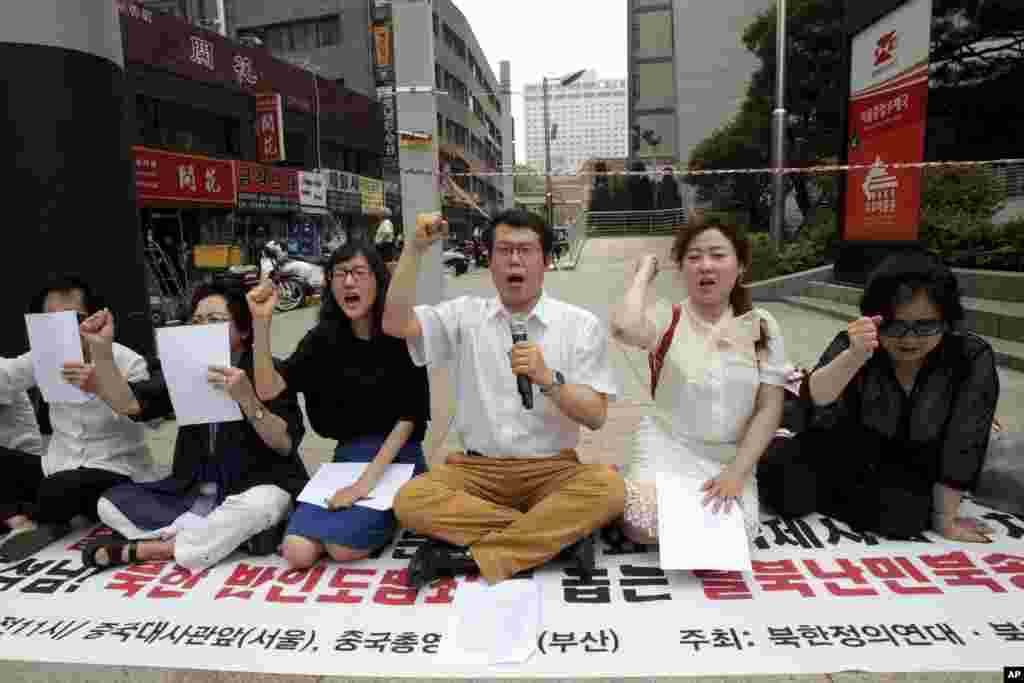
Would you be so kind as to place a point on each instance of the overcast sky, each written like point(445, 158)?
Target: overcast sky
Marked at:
point(548, 37)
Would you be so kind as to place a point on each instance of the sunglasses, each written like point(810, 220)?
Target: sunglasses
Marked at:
point(917, 328)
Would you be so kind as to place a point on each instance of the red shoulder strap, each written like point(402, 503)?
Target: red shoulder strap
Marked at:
point(656, 358)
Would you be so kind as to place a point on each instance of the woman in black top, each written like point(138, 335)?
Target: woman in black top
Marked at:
point(901, 411)
point(361, 388)
point(241, 477)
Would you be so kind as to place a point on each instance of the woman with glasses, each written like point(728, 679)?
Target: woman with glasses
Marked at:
point(232, 484)
point(361, 389)
point(901, 405)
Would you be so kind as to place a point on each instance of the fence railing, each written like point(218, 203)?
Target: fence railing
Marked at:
point(661, 221)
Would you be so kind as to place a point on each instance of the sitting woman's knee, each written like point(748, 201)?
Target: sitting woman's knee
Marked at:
point(342, 553)
point(301, 552)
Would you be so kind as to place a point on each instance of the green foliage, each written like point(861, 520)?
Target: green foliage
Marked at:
point(815, 247)
point(957, 206)
point(530, 183)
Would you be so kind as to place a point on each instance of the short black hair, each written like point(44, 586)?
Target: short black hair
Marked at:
point(520, 218)
point(903, 273)
point(238, 307)
point(67, 282)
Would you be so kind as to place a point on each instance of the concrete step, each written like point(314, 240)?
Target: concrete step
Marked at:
point(987, 317)
point(1009, 353)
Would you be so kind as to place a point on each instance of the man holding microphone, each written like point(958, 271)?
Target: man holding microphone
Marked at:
point(518, 494)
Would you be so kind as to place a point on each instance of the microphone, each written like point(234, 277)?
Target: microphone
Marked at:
point(518, 327)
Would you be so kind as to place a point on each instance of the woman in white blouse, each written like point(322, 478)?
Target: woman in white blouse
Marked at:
point(718, 370)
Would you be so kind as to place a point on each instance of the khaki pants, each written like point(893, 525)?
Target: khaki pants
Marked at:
point(513, 513)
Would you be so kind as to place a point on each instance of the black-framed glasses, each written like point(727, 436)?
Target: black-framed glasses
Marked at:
point(917, 328)
point(359, 274)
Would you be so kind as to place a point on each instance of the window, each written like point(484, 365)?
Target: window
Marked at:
point(303, 35)
point(328, 32)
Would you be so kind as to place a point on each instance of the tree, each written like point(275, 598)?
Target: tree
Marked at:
point(640, 191)
point(527, 180)
point(977, 58)
point(741, 143)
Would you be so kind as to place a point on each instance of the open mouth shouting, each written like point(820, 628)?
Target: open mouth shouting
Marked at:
point(706, 283)
point(516, 280)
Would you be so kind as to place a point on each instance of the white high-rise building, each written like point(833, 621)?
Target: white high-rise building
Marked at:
point(590, 116)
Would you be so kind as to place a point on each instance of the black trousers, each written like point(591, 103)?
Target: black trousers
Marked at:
point(854, 475)
point(50, 500)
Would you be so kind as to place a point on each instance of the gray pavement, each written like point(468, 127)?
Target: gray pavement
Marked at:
point(597, 284)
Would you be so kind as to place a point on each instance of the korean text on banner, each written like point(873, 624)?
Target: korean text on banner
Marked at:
point(887, 114)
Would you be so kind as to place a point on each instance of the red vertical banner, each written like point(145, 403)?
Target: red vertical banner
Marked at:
point(269, 128)
point(887, 113)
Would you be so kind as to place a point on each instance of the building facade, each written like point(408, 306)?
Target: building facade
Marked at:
point(233, 146)
point(588, 118)
point(474, 125)
point(474, 122)
point(688, 72)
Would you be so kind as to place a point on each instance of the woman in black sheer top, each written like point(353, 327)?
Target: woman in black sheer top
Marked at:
point(901, 412)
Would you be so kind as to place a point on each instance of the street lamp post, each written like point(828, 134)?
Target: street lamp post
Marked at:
point(564, 81)
point(779, 129)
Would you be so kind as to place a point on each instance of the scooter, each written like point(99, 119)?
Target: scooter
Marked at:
point(455, 260)
point(294, 278)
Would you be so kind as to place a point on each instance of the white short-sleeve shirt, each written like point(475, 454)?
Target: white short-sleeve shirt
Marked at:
point(89, 434)
point(471, 336)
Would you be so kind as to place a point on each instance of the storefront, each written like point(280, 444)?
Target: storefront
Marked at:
point(268, 202)
point(311, 227)
point(184, 201)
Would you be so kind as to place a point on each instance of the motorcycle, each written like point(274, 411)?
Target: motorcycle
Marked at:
point(294, 278)
point(455, 261)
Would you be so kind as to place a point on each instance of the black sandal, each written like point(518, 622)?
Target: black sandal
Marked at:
point(114, 544)
point(437, 559)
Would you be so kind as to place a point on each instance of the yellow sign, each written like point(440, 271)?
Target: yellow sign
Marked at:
point(371, 194)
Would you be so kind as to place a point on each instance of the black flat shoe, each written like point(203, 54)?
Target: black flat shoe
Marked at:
point(19, 546)
point(582, 554)
point(267, 541)
point(436, 560)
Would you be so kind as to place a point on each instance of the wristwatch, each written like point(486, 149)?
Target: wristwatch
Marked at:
point(559, 381)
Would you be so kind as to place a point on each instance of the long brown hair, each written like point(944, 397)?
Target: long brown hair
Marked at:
point(739, 297)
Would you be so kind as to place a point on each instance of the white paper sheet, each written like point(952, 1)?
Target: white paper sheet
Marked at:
point(54, 340)
point(493, 625)
point(337, 475)
point(186, 354)
point(691, 536)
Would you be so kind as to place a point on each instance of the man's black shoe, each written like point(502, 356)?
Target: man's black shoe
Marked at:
point(437, 559)
point(583, 554)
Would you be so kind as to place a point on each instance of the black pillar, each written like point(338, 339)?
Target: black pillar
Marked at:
point(70, 193)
